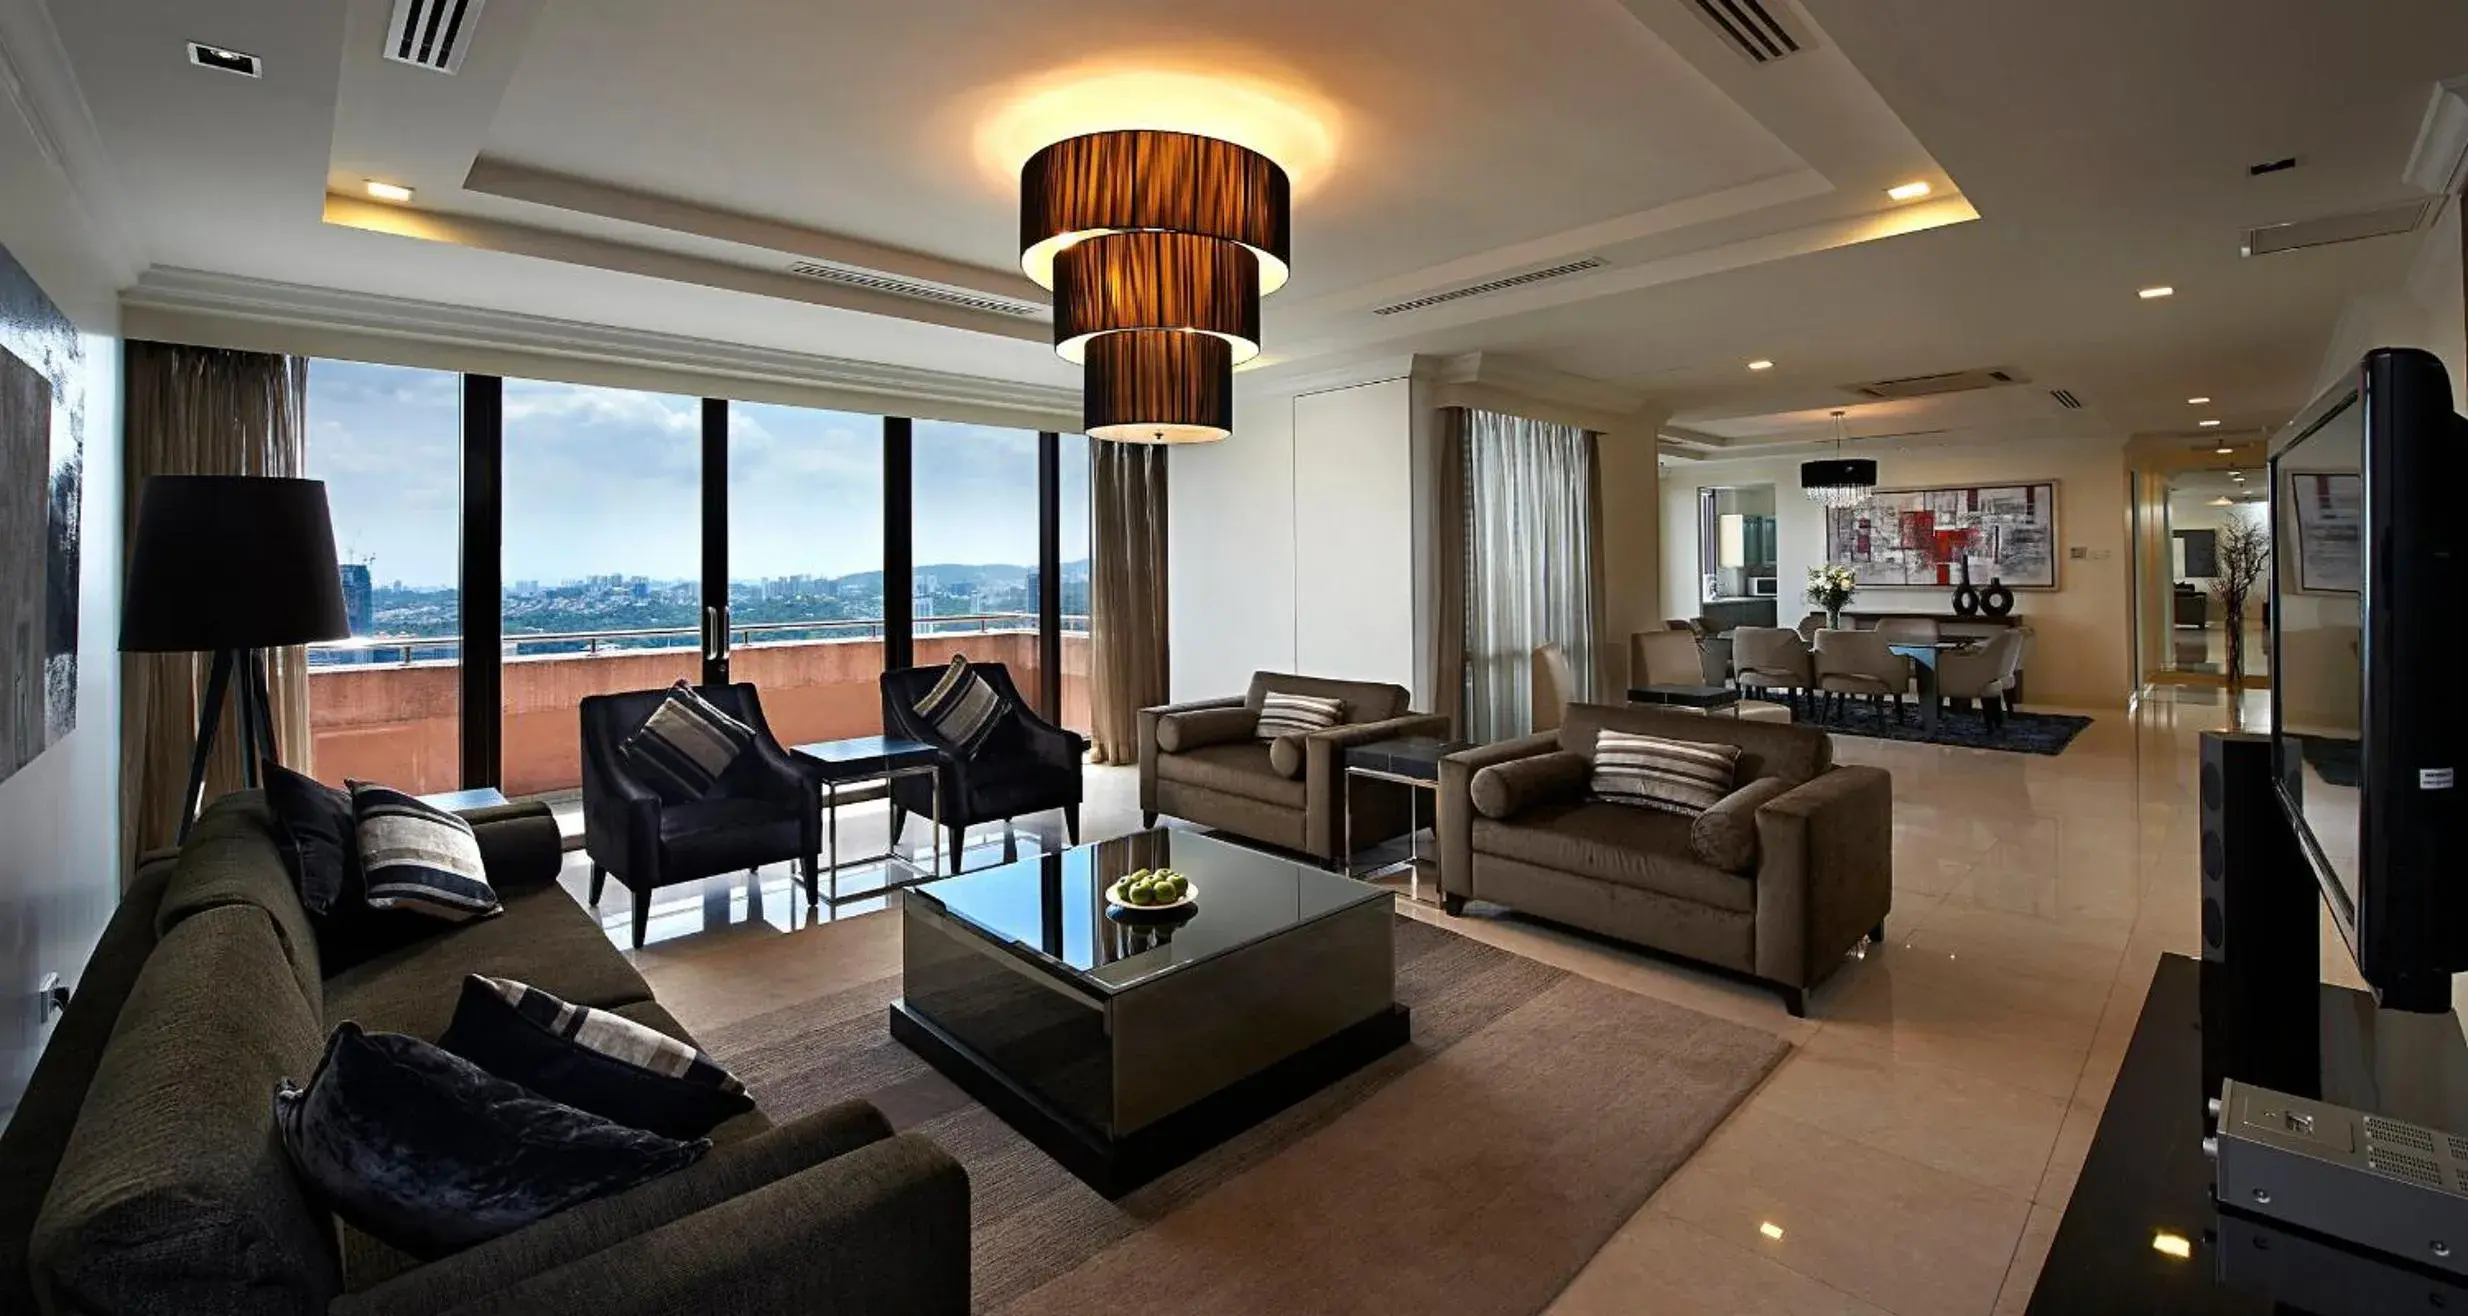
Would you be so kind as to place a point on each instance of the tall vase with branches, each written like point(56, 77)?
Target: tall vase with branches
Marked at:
point(2244, 552)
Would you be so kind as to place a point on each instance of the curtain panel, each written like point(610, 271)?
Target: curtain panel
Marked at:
point(1450, 522)
point(1531, 575)
point(1126, 594)
point(200, 411)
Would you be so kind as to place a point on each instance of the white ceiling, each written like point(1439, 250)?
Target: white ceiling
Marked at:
point(656, 166)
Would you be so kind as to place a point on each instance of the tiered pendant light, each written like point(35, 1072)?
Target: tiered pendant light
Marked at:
point(1158, 247)
point(1841, 481)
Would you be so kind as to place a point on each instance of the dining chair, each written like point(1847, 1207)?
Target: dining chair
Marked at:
point(1555, 685)
point(1860, 663)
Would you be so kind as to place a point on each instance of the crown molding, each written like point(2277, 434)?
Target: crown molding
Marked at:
point(2439, 160)
point(40, 84)
point(164, 296)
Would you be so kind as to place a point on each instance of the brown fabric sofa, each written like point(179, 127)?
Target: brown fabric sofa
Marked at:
point(1202, 762)
point(142, 1172)
point(1777, 881)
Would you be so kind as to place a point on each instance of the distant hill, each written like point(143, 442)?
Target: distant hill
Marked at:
point(962, 573)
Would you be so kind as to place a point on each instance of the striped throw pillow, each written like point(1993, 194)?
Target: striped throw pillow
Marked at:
point(962, 706)
point(1297, 715)
point(682, 749)
point(1676, 776)
point(418, 857)
point(592, 1060)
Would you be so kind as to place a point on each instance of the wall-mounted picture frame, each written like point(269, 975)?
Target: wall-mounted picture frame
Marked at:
point(2327, 509)
point(42, 482)
point(1921, 538)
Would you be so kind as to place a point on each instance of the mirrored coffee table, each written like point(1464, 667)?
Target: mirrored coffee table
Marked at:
point(1125, 1043)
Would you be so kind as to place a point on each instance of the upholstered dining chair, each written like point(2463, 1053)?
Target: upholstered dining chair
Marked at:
point(1677, 658)
point(1860, 663)
point(1555, 687)
point(1809, 626)
point(1984, 672)
point(1770, 658)
point(1909, 630)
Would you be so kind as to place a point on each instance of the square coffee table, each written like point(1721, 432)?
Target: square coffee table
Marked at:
point(1126, 1043)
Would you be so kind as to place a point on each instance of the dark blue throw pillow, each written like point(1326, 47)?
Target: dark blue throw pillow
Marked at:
point(428, 1153)
point(592, 1060)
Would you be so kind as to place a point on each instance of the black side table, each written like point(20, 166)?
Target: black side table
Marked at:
point(1706, 698)
point(1414, 763)
point(837, 765)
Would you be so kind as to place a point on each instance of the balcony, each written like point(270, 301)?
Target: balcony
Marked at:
point(395, 719)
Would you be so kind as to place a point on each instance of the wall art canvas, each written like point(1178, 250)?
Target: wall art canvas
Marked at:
point(2329, 510)
point(42, 465)
point(1920, 538)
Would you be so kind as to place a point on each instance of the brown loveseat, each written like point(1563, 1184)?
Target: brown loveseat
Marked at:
point(1777, 881)
point(1203, 762)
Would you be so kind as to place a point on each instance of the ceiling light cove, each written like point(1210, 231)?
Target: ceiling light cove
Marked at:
point(1911, 191)
point(2198, 402)
point(1760, 365)
point(2224, 450)
point(385, 191)
point(2210, 424)
point(1277, 117)
point(2153, 294)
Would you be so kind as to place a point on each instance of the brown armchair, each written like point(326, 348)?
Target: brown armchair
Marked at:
point(1776, 882)
point(1204, 762)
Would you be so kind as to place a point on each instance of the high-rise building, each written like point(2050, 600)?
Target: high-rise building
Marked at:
point(358, 608)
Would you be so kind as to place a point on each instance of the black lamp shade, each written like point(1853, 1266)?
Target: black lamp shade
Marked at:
point(1839, 473)
point(1134, 179)
point(1158, 386)
point(1119, 281)
point(231, 562)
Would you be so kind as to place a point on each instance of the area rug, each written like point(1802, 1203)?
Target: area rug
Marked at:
point(2023, 733)
point(1474, 1171)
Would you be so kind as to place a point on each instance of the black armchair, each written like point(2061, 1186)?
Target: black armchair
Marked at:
point(1025, 764)
point(762, 811)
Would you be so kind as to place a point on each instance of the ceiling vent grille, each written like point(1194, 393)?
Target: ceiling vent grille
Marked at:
point(432, 34)
point(1927, 386)
point(1491, 286)
point(849, 276)
point(1750, 28)
point(2407, 217)
point(2066, 399)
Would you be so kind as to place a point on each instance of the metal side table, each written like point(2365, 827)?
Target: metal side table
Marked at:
point(1414, 763)
point(871, 761)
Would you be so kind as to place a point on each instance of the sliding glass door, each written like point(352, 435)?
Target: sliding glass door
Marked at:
point(805, 567)
point(977, 580)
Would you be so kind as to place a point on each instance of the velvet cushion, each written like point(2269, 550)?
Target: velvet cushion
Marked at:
point(1287, 756)
point(593, 1060)
point(430, 1154)
point(314, 831)
point(1725, 835)
point(1504, 790)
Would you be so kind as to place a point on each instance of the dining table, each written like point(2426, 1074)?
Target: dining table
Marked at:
point(1924, 655)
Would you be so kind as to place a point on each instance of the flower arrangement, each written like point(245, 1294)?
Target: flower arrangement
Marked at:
point(1830, 587)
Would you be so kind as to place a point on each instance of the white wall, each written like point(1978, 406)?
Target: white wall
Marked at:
point(1354, 533)
point(59, 814)
point(2080, 658)
point(2429, 311)
point(1230, 551)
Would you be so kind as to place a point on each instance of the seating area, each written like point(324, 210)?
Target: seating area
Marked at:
point(968, 659)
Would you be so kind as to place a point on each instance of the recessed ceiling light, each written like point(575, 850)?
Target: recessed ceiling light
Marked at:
point(2171, 1244)
point(388, 191)
point(1760, 365)
point(2163, 290)
point(2197, 402)
point(2224, 450)
point(2210, 424)
point(1770, 1230)
point(1909, 191)
point(226, 60)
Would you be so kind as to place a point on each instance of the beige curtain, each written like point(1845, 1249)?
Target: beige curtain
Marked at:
point(1450, 532)
point(1127, 598)
point(201, 411)
point(1531, 575)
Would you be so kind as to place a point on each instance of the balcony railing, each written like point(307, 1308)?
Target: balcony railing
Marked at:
point(399, 720)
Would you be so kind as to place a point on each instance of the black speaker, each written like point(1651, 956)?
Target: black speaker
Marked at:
point(2258, 896)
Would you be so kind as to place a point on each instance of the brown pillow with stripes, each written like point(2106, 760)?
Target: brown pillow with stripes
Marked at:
point(1685, 777)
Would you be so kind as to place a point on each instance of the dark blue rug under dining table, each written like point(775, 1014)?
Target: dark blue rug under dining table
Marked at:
point(2022, 733)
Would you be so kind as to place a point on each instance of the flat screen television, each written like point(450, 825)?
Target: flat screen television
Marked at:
point(2368, 678)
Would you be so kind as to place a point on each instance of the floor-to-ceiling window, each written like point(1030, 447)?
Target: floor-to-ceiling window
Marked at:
point(805, 567)
point(1078, 560)
point(975, 578)
point(602, 561)
point(383, 705)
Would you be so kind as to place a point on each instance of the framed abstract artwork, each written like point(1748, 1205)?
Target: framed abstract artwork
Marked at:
point(42, 467)
point(1921, 538)
point(2328, 509)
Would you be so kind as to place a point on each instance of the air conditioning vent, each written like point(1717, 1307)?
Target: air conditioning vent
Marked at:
point(2066, 399)
point(1926, 386)
point(1491, 286)
point(849, 276)
point(2406, 217)
point(432, 34)
point(1750, 28)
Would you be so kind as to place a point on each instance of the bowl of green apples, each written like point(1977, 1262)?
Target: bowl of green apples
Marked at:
point(1152, 891)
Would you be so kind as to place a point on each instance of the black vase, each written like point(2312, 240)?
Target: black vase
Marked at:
point(1996, 600)
point(1966, 598)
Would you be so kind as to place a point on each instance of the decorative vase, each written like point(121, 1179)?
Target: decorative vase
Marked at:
point(1966, 596)
point(1996, 600)
point(1833, 619)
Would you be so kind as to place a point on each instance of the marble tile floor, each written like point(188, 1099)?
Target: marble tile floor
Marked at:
point(1911, 1156)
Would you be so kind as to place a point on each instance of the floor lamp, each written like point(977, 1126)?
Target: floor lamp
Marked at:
point(231, 565)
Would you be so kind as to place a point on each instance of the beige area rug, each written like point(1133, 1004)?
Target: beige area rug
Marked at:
point(1473, 1171)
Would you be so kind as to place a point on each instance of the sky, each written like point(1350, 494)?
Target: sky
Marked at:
point(602, 481)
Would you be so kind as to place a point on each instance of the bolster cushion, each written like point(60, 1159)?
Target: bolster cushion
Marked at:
point(1287, 755)
point(519, 844)
point(1725, 835)
point(1506, 789)
point(1201, 727)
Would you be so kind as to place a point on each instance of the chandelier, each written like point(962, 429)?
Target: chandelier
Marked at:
point(1157, 247)
point(1839, 481)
